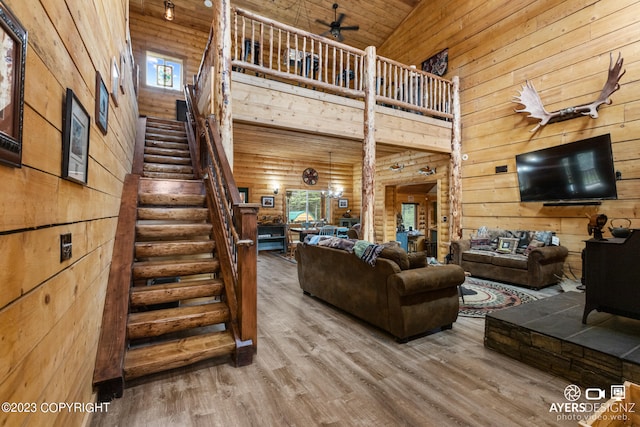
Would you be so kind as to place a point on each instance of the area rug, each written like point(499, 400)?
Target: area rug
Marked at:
point(484, 296)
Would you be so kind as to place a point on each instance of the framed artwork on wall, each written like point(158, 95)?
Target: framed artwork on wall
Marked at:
point(75, 140)
point(13, 51)
point(244, 194)
point(268, 201)
point(343, 203)
point(102, 104)
point(437, 64)
point(115, 80)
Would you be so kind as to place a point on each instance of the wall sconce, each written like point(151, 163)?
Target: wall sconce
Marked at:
point(426, 171)
point(168, 10)
point(397, 167)
point(276, 188)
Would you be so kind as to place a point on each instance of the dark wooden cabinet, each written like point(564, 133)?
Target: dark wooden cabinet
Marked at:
point(272, 237)
point(611, 275)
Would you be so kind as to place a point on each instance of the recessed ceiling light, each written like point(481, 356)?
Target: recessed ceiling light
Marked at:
point(208, 3)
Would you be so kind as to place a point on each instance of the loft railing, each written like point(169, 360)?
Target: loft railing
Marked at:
point(266, 47)
point(235, 223)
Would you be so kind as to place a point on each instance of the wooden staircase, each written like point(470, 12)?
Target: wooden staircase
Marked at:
point(178, 313)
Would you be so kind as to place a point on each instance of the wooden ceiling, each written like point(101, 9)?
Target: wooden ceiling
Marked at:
point(377, 19)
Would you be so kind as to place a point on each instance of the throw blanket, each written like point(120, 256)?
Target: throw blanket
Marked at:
point(371, 253)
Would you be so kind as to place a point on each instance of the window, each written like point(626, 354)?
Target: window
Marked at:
point(305, 206)
point(409, 215)
point(164, 71)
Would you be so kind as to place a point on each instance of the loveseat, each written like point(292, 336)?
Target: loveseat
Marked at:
point(526, 258)
point(399, 294)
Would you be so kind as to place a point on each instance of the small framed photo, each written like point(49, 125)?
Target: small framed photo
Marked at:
point(102, 104)
point(244, 194)
point(507, 245)
point(13, 51)
point(75, 140)
point(115, 80)
point(268, 201)
point(343, 203)
point(123, 66)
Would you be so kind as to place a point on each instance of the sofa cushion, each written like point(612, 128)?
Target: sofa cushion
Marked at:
point(510, 260)
point(478, 256)
point(417, 259)
point(397, 255)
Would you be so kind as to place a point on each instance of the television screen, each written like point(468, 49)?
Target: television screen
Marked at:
point(581, 170)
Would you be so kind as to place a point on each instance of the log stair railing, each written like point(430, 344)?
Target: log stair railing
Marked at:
point(166, 304)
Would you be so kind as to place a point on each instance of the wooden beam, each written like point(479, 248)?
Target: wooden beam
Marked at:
point(369, 147)
point(222, 90)
point(455, 190)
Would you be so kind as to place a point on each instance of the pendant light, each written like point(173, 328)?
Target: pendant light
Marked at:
point(168, 10)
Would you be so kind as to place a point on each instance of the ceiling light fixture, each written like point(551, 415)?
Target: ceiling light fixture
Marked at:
point(337, 193)
point(168, 10)
point(208, 3)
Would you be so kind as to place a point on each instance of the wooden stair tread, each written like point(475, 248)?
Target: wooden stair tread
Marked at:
point(162, 175)
point(174, 268)
point(176, 291)
point(161, 167)
point(154, 323)
point(168, 145)
point(175, 214)
point(167, 160)
point(167, 152)
point(189, 247)
point(171, 199)
point(174, 354)
point(172, 231)
point(184, 186)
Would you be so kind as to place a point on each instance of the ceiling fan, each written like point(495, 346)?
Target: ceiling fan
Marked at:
point(336, 27)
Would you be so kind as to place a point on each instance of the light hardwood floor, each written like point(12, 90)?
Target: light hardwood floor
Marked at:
point(319, 366)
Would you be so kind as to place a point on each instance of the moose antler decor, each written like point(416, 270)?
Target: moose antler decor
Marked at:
point(533, 104)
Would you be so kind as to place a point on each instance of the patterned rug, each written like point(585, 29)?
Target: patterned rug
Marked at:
point(484, 296)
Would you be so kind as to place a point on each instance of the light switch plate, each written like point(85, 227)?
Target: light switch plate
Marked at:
point(65, 247)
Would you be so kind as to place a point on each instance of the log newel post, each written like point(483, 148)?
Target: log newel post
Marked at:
point(369, 147)
point(455, 181)
point(222, 80)
point(246, 217)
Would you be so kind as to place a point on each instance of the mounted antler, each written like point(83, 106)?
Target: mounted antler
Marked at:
point(533, 104)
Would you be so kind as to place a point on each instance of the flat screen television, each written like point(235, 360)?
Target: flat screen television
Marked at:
point(580, 171)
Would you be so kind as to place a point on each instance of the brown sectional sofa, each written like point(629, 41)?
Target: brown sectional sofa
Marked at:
point(532, 267)
point(407, 302)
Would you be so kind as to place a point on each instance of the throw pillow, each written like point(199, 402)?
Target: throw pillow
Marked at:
point(507, 245)
point(534, 244)
point(397, 255)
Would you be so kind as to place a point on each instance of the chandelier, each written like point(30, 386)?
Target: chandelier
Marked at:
point(331, 192)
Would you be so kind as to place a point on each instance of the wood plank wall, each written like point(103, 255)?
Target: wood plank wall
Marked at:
point(156, 34)
point(50, 311)
point(563, 48)
point(259, 174)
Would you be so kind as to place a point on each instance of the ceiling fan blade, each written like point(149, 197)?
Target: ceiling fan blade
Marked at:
point(320, 21)
point(340, 37)
point(340, 18)
point(351, 28)
point(327, 34)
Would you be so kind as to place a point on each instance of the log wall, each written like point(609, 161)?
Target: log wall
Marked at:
point(563, 48)
point(50, 311)
point(156, 34)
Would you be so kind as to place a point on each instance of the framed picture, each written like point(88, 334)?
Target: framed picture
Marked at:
point(343, 203)
point(244, 194)
point(507, 245)
point(13, 51)
point(102, 104)
point(115, 80)
point(123, 66)
point(268, 201)
point(75, 140)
